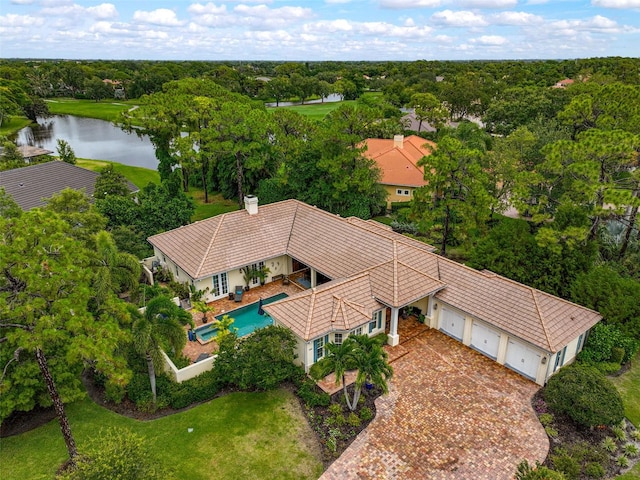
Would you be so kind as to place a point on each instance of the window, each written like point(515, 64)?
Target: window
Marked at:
point(560, 359)
point(356, 331)
point(256, 267)
point(579, 346)
point(403, 192)
point(407, 192)
point(372, 326)
point(337, 338)
point(177, 272)
point(318, 347)
point(377, 318)
point(220, 284)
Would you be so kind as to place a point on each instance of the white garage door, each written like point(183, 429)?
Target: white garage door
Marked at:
point(452, 324)
point(523, 359)
point(485, 339)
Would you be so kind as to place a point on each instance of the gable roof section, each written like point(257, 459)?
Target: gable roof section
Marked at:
point(339, 305)
point(227, 241)
point(29, 186)
point(399, 271)
point(399, 165)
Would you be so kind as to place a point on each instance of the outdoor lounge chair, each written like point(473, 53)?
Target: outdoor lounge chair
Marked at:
point(238, 294)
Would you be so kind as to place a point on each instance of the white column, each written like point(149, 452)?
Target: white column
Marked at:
point(394, 338)
point(313, 278)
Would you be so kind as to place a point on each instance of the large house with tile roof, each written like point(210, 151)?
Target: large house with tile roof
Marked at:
point(362, 276)
point(398, 159)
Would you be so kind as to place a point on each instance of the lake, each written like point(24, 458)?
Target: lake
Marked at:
point(90, 138)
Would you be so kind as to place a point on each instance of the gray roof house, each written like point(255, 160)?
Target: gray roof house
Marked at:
point(30, 186)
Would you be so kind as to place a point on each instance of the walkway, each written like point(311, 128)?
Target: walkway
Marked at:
point(451, 413)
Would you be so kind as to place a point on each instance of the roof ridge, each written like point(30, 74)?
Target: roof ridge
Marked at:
point(419, 271)
point(395, 273)
point(293, 221)
point(213, 237)
point(310, 314)
point(544, 326)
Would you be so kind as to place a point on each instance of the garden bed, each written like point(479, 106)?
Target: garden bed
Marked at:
point(583, 453)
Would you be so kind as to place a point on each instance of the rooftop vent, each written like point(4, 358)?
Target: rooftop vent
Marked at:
point(398, 141)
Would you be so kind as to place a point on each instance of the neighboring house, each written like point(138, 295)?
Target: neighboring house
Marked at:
point(363, 276)
point(564, 83)
point(30, 152)
point(31, 186)
point(398, 159)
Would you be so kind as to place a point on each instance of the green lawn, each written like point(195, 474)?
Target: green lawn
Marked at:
point(139, 176)
point(629, 386)
point(217, 204)
point(104, 110)
point(316, 111)
point(241, 435)
point(13, 124)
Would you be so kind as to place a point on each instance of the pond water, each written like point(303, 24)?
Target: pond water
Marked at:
point(90, 138)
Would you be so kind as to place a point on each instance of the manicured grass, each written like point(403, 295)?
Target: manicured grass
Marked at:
point(633, 474)
point(316, 111)
point(108, 110)
point(139, 176)
point(217, 204)
point(383, 219)
point(241, 435)
point(13, 124)
point(628, 384)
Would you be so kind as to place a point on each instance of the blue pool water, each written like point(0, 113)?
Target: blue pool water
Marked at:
point(246, 319)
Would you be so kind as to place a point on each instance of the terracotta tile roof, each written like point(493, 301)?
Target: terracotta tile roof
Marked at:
point(400, 271)
point(399, 165)
point(30, 186)
point(338, 305)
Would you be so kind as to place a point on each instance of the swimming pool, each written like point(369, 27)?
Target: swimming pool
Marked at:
point(246, 320)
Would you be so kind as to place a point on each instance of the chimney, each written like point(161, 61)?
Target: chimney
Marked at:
point(398, 141)
point(251, 204)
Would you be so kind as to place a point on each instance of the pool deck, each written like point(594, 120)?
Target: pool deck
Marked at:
point(193, 350)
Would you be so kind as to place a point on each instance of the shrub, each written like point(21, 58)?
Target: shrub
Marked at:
point(565, 463)
point(622, 461)
point(539, 472)
point(203, 387)
point(617, 355)
point(552, 432)
point(594, 470)
point(585, 395)
point(602, 340)
point(635, 435)
point(609, 444)
point(404, 227)
point(117, 454)
point(546, 419)
point(335, 409)
point(630, 450)
point(607, 368)
point(354, 420)
point(619, 433)
point(312, 396)
point(366, 414)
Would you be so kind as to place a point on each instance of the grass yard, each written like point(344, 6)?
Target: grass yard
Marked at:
point(241, 435)
point(217, 204)
point(139, 176)
point(628, 384)
point(13, 124)
point(107, 110)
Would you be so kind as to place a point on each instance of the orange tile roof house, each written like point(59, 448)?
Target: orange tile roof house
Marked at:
point(398, 159)
point(362, 275)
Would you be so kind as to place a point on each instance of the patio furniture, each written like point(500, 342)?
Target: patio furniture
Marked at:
point(238, 293)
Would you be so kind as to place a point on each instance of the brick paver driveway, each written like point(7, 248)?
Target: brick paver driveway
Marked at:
point(451, 414)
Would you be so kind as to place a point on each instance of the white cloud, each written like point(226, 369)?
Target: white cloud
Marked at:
point(208, 9)
point(410, 3)
point(162, 16)
point(22, 2)
point(11, 20)
point(369, 29)
point(282, 13)
point(597, 24)
point(330, 2)
point(515, 18)
point(489, 3)
point(490, 40)
point(104, 10)
point(616, 3)
point(460, 18)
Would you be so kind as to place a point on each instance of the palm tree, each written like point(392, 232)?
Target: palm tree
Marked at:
point(159, 328)
point(360, 353)
point(117, 272)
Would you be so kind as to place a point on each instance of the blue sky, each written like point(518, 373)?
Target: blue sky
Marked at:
point(319, 29)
